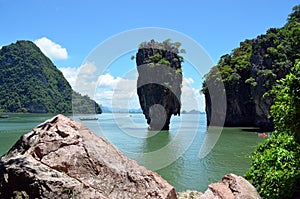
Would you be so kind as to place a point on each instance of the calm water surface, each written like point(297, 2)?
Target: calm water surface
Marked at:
point(174, 154)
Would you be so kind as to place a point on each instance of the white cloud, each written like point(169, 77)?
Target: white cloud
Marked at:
point(81, 79)
point(191, 98)
point(120, 93)
point(70, 74)
point(107, 80)
point(88, 68)
point(188, 80)
point(52, 50)
point(86, 80)
point(116, 92)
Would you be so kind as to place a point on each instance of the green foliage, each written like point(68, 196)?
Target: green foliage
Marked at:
point(84, 104)
point(286, 109)
point(266, 73)
point(294, 17)
point(231, 67)
point(275, 169)
point(179, 70)
point(167, 46)
point(29, 82)
point(163, 61)
point(250, 80)
point(157, 58)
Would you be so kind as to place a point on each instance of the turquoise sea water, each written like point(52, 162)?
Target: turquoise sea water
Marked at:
point(175, 155)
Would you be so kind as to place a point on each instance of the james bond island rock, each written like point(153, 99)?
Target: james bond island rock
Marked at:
point(250, 71)
point(230, 187)
point(61, 158)
point(159, 82)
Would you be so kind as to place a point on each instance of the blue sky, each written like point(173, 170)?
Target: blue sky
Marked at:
point(78, 27)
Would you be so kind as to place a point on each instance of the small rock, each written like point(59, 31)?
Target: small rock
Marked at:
point(189, 194)
point(231, 187)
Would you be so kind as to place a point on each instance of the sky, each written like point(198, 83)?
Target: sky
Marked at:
point(69, 31)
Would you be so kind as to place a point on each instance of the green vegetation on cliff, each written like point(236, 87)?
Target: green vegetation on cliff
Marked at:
point(275, 169)
point(251, 70)
point(29, 82)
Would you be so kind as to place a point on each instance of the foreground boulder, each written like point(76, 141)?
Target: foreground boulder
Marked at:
point(231, 187)
point(61, 158)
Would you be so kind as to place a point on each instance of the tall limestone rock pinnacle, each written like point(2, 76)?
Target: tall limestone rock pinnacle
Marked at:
point(159, 82)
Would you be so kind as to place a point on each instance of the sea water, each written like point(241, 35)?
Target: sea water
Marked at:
point(188, 156)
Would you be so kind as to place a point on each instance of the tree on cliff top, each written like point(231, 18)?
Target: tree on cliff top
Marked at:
point(167, 45)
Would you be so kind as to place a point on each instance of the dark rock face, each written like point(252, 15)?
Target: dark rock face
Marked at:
point(247, 100)
point(61, 158)
point(239, 109)
point(265, 72)
point(159, 86)
point(231, 187)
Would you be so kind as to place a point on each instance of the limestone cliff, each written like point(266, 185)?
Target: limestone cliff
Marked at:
point(159, 82)
point(250, 71)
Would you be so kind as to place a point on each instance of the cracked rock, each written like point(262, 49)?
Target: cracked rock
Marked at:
point(61, 158)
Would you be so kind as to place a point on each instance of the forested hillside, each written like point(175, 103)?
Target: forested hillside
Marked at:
point(30, 82)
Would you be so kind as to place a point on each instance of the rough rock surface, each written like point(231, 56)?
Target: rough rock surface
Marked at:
point(61, 158)
point(189, 194)
point(231, 187)
point(158, 86)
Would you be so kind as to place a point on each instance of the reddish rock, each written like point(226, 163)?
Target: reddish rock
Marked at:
point(61, 158)
point(231, 187)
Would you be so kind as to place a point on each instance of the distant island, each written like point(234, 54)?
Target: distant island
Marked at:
point(106, 109)
point(31, 83)
point(192, 112)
